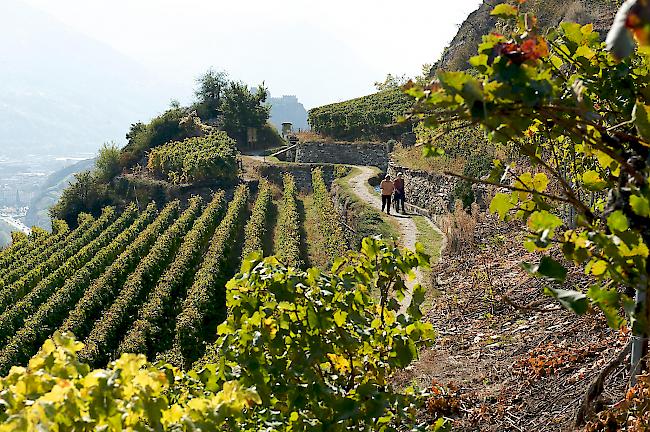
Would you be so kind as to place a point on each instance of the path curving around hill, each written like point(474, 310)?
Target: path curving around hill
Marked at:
point(407, 227)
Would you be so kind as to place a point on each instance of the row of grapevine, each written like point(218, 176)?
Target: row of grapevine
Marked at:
point(44, 248)
point(144, 335)
point(23, 244)
point(15, 315)
point(328, 218)
point(103, 291)
point(288, 248)
point(49, 315)
point(15, 249)
point(22, 286)
point(196, 159)
point(207, 294)
point(27, 249)
point(258, 225)
point(105, 334)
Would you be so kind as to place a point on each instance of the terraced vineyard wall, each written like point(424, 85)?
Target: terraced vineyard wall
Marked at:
point(435, 193)
point(368, 154)
point(432, 192)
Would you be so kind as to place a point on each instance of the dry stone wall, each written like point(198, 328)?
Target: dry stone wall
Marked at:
point(368, 154)
point(431, 192)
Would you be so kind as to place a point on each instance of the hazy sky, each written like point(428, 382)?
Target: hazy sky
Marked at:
point(322, 51)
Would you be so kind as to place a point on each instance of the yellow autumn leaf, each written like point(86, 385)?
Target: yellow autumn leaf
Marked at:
point(340, 363)
point(599, 268)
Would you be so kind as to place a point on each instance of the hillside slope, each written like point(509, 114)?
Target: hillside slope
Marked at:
point(549, 12)
point(51, 191)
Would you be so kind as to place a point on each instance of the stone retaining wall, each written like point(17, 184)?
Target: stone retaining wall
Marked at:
point(369, 154)
point(431, 192)
point(434, 193)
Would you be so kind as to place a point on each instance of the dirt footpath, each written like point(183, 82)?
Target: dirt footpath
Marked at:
point(407, 228)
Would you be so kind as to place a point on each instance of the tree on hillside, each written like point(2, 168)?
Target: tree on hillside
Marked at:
point(85, 195)
point(142, 137)
point(392, 82)
point(108, 161)
point(209, 93)
point(243, 108)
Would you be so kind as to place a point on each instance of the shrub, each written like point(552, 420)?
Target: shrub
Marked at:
point(108, 162)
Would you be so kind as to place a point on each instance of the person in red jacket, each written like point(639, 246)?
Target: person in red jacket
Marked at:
point(400, 196)
point(387, 189)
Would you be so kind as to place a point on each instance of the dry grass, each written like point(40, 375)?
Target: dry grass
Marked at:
point(311, 136)
point(458, 227)
point(411, 157)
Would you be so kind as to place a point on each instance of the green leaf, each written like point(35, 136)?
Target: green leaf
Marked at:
point(551, 269)
point(479, 61)
point(405, 352)
point(640, 205)
point(504, 10)
point(617, 222)
point(572, 300)
point(641, 116)
point(340, 317)
point(501, 204)
point(609, 301)
point(432, 151)
point(543, 220)
point(592, 181)
point(598, 268)
point(540, 182)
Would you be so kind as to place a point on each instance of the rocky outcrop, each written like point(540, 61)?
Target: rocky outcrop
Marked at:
point(550, 13)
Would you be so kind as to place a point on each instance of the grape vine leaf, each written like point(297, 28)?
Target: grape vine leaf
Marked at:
point(617, 222)
point(572, 300)
point(547, 268)
point(504, 10)
point(640, 205)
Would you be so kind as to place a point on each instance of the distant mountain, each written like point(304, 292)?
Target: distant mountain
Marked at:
point(50, 192)
point(62, 92)
point(288, 109)
point(549, 12)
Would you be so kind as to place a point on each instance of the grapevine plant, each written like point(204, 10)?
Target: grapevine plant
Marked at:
point(579, 110)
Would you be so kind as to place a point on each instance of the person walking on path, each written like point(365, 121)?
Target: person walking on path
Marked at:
point(400, 197)
point(387, 188)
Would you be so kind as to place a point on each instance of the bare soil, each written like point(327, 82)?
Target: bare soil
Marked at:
point(507, 357)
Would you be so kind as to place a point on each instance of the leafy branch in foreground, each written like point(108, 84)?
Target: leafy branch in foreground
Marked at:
point(581, 116)
point(317, 347)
